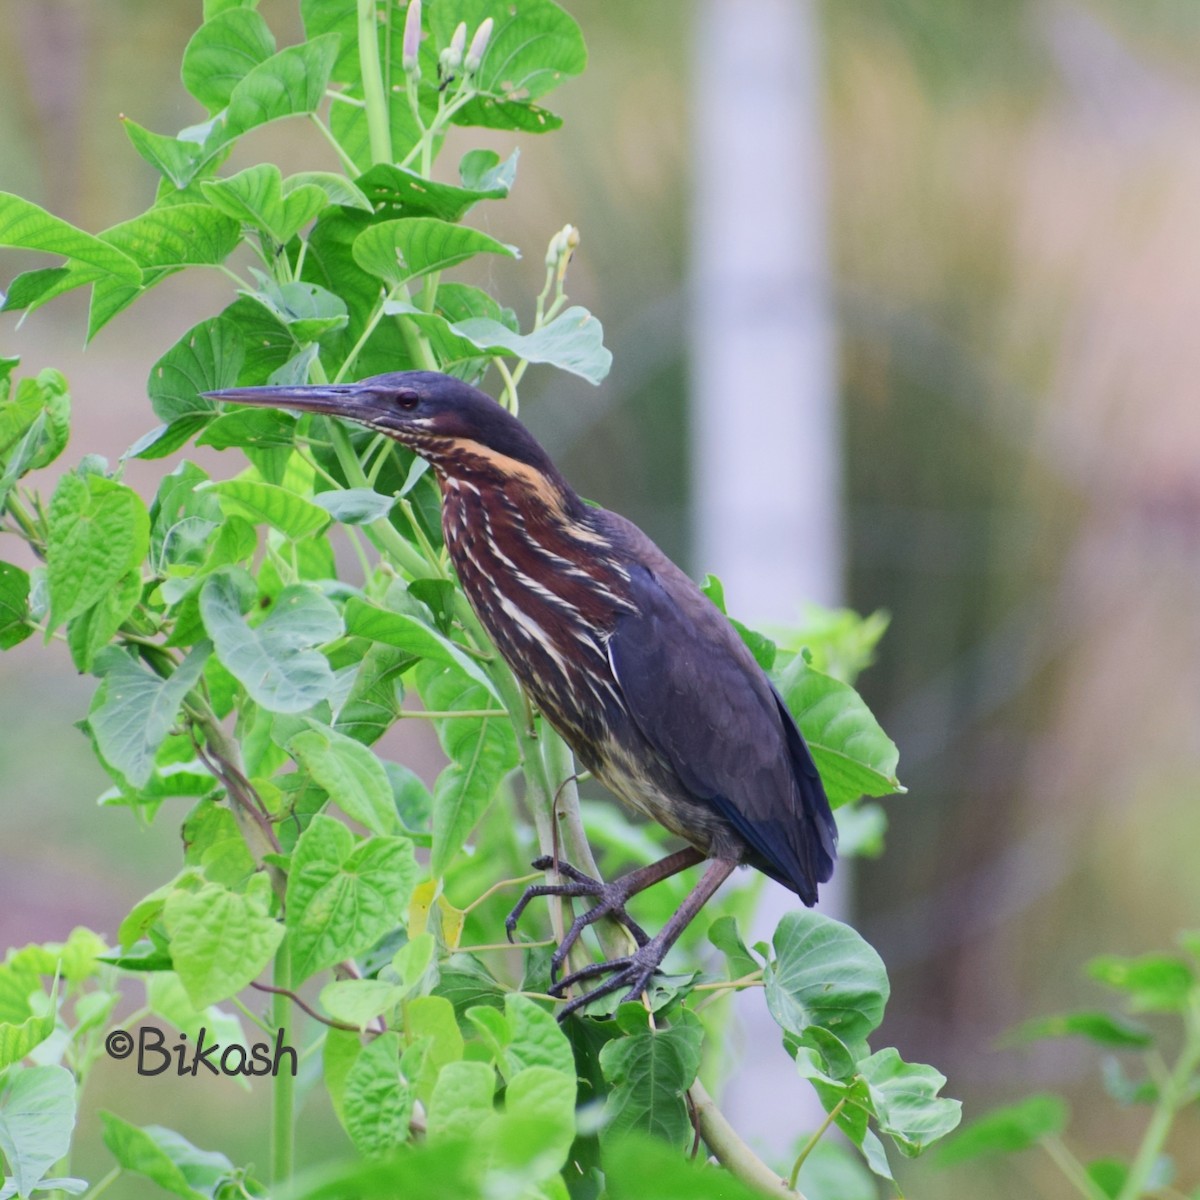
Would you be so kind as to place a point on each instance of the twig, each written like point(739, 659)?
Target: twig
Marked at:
point(810, 1145)
point(301, 1004)
point(731, 1151)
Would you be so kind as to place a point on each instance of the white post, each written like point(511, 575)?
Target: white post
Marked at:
point(764, 415)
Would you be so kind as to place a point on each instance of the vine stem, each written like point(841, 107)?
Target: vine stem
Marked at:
point(831, 1116)
point(731, 1151)
point(1172, 1096)
point(379, 130)
point(104, 1184)
point(1071, 1168)
point(283, 1085)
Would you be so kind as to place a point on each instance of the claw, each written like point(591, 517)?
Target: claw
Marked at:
point(610, 897)
point(634, 972)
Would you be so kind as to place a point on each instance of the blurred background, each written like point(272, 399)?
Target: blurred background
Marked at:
point(1004, 242)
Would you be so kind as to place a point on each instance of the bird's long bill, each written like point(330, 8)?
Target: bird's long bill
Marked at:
point(335, 400)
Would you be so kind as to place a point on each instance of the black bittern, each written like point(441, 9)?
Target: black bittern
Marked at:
point(640, 673)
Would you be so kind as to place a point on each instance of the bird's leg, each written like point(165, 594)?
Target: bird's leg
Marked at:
point(637, 969)
point(610, 897)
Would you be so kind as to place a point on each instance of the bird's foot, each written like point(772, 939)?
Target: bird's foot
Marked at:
point(610, 902)
point(632, 973)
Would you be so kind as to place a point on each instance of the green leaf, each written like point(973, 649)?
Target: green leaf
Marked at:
point(854, 755)
point(350, 773)
point(412, 635)
point(397, 251)
point(650, 1071)
point(213, 842)
point(166, 1158)
point(255, 197)
point(250, 428)
point(21, 1029)
point(15, 622)
point(824, 974)
point(724, 934)
point(99, 530)
point(467, 985)
point(207, 358)
point(287, 84)
point(906, 1102)
point(134, 710)
point(92, 630)
point(31, 289)
point(631, 1162)
point(461, 1101)
point(307, 309)
point(375, 697)
point(359, 1001)
point(337, 188)
point(377, 1104)
point(262, 503)
point(543, 1100)
point(482, 751)
point(1153, 982)
point(355, 506)
point(573, 342)
point(174, 159)
point(222, 52)
point(276, 662)
point(533, 46)
point(220, 940)
point(536, 1039)
point(1101, 1028)
point(397, 191)
point(343, 895)
point(1109, 1175)
point(436, 1041)
point(1007, 1130)
point(37, 1116)
point(25, 226)
point(167, 998)
point(176, 236)
point(34, 424)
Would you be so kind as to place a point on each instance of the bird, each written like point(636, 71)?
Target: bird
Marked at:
point(640, 673)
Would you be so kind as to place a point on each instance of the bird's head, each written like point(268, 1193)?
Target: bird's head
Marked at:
point(461, 430)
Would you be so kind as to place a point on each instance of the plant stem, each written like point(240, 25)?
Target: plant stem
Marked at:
point(452, 714)
point(379, 130)
point(1172, 1096)
point(283, 1085)
point(350, 166)
point(1071, 1168)
point(382, 532)
point(809, 1146)
point(729, 1149)
point(614, 939)
point(102, 1185)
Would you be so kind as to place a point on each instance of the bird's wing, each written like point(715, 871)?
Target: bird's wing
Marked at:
point(701, 700)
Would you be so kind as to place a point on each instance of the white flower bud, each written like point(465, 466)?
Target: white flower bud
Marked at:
point(479, 45)
point(412, 36)
point(451, 58)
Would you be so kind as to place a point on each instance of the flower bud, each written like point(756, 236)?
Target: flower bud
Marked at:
point(412, 36)
point(451, 57)
point(562, 244)
point(479, 45)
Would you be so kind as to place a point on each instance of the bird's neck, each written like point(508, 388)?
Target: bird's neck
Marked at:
point(531, 492)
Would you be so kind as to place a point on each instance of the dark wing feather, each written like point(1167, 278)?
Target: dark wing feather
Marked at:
point(701, 700)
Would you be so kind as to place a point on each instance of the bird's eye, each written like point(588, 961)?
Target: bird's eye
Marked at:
point(408, 400)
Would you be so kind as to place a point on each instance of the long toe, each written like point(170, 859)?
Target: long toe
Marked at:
point(547, 863)
point(591, 971)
